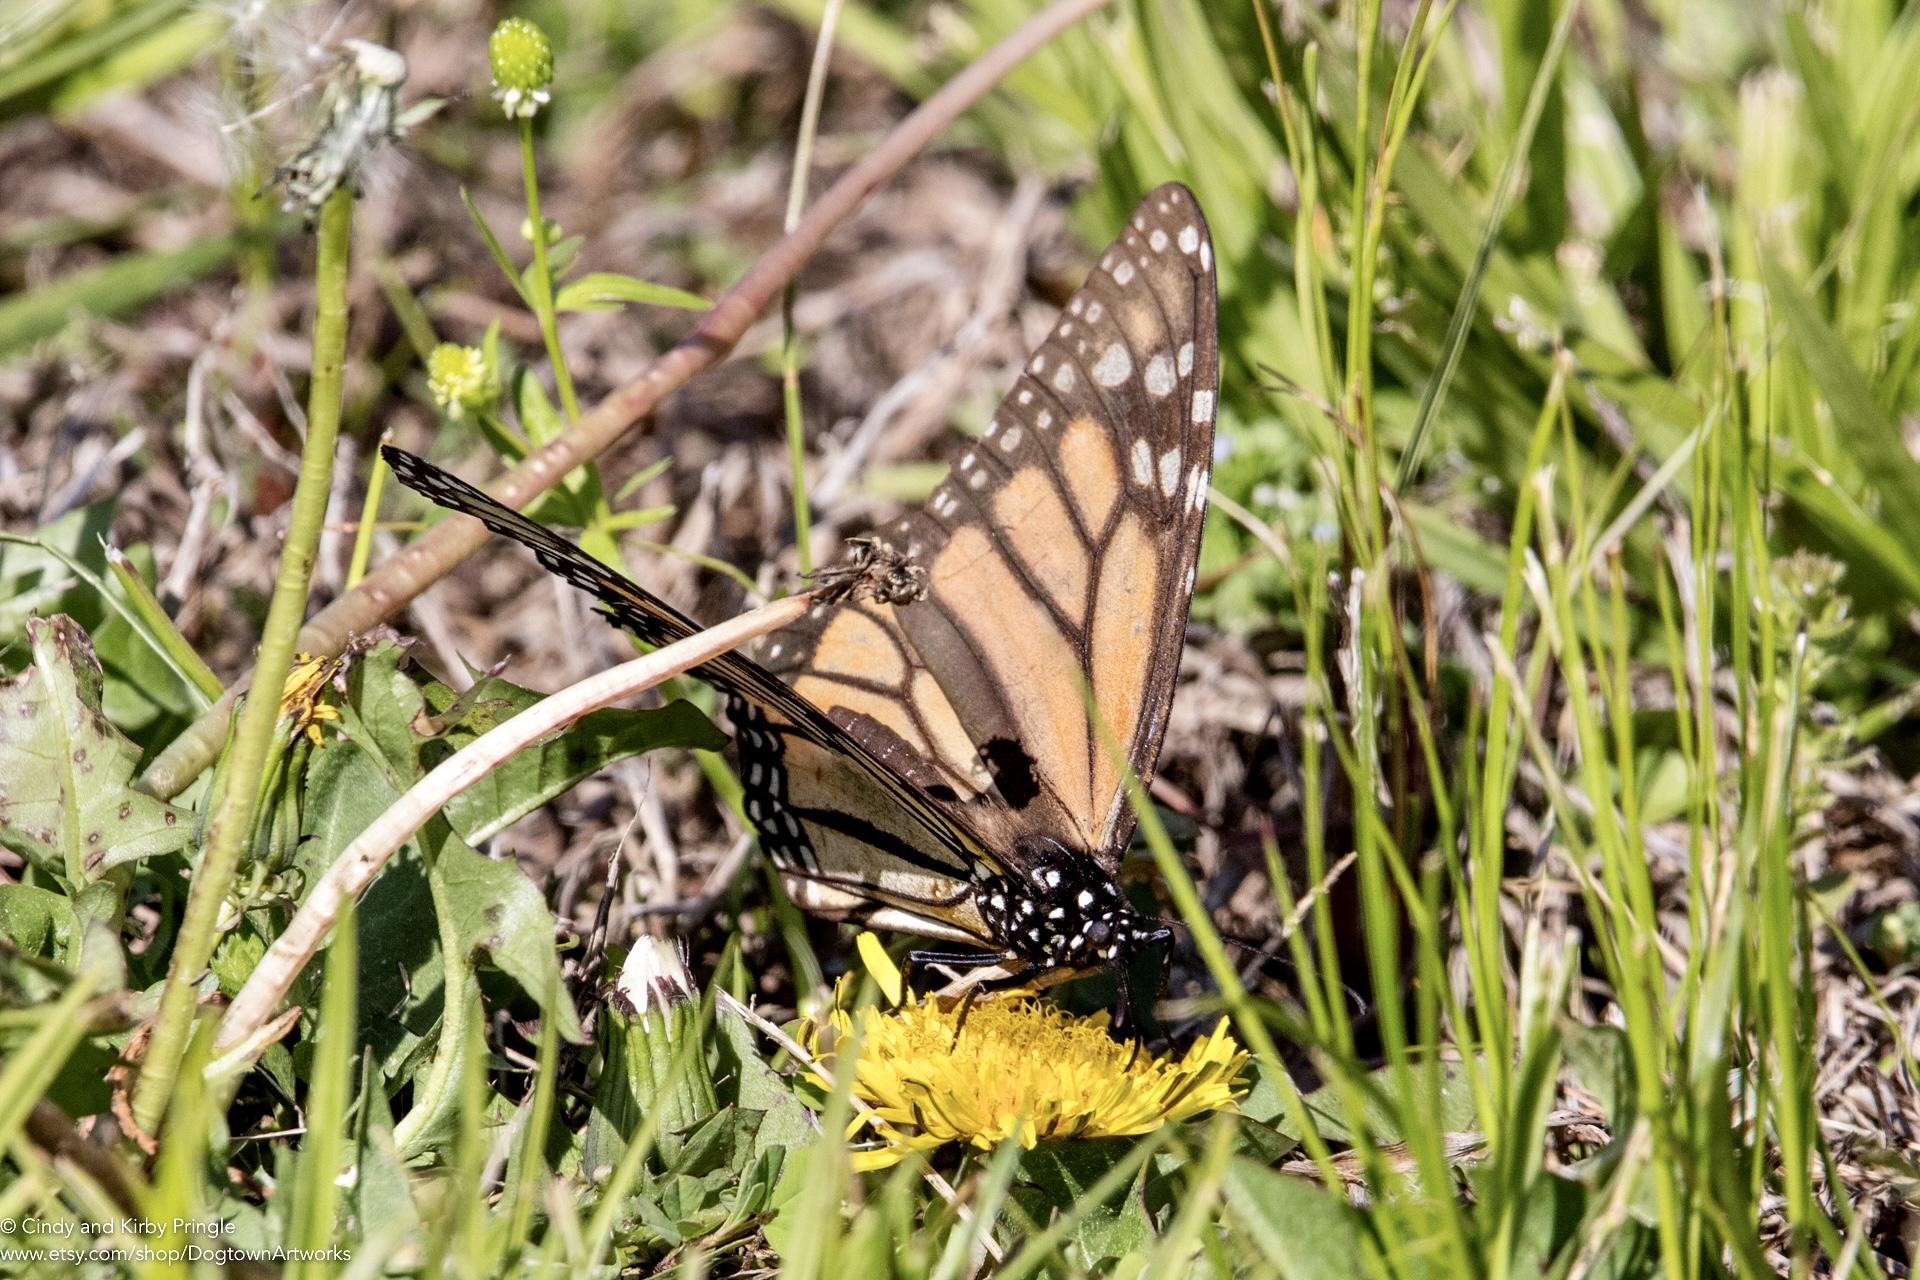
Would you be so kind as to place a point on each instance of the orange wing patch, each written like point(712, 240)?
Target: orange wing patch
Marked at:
point(1036, 524)
point(1124, 631)
point(1024, 650)
point(1087, 463)
point(856, 645)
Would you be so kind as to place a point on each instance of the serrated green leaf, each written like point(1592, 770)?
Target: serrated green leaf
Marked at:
point(402, 977)
point(1057, 1178)
point(496, 909)
point(609, 291)
point(67, 802)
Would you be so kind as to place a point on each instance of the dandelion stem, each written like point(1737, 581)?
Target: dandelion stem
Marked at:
point(233, 820)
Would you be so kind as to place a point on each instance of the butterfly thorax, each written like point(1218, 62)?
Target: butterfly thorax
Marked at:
point(1063, 912)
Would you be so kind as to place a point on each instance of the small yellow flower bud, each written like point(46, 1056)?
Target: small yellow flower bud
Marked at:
point(460, 380)
point(522, 61)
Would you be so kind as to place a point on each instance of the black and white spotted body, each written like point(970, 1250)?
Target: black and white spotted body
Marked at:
point(1064, 912)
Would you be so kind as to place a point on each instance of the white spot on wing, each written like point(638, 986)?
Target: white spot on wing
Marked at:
point(1206, 256)
point(1038, 364)
point(1044, 419)
point(1158, 240)
point(1189, 238)
point(1186, 358)
point(1203, 406)
point(1010, 441)
point(1142, 458)
point(1160, 374)
point(1123, 273)
point(1063, 378)
point(1026, 396)
point(1169, 472)
point(1115, 366)
point(1094, 311)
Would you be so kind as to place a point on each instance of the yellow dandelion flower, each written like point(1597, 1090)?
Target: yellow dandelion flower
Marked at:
point(939, 1071)
point(300, 701)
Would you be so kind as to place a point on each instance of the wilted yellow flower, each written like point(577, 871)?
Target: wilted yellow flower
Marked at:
point(300, 696)
point(937, 1071)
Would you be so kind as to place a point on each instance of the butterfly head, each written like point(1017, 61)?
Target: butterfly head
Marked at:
point(1064, 912)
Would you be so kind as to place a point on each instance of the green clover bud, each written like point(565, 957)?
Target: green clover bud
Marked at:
point(522, 61)
point(460, 380)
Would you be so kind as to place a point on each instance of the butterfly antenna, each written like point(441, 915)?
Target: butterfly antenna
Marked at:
point(1269, 958)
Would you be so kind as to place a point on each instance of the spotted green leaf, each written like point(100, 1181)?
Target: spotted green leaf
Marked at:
point(67, 802)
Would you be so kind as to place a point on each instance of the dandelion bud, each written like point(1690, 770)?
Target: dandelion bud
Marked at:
point(460, 380)
point(656, 1064)
point(522, 61)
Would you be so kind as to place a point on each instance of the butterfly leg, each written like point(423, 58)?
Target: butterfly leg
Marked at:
point(1123, 1013)
point(960, 959)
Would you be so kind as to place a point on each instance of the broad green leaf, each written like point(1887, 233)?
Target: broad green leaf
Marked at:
point(67, 802)
point(744, 1079)
point(609, 291)
point(493, 906)
point(538, 418)
point(401, 973)
point(496, 909)
point(1300, 1229)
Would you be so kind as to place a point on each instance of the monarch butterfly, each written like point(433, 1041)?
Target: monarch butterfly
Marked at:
point(931, 767)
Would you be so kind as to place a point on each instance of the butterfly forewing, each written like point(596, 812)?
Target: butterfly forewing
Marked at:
point(1060, 553)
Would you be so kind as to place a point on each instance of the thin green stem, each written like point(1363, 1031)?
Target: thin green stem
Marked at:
point(233, 821)
point(543, 277)
point(790, 338)
point(369, 519)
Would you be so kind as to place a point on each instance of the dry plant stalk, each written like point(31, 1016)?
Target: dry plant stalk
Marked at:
point(369, 852)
